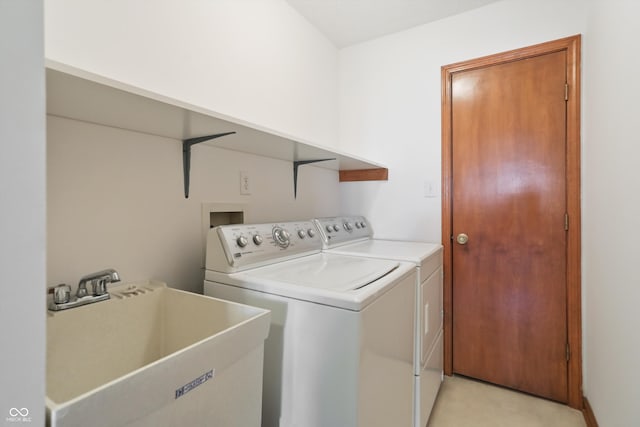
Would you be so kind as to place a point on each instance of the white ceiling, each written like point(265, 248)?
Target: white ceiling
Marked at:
point(346, 22)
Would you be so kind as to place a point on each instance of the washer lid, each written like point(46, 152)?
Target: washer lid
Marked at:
point(340, 281)
point(328, 271)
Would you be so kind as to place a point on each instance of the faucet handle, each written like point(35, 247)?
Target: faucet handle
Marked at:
point(62, 294)
point(99, 286)
point(98, 282)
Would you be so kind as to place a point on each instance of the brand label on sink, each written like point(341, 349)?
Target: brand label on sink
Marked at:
point(195, 383)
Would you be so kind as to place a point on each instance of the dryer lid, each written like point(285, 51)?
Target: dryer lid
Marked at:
point(415, 252)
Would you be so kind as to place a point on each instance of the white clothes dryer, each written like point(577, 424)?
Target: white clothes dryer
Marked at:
point(353, 236)
point(340, 347)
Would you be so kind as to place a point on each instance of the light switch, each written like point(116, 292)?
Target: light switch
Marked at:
point(430, 189)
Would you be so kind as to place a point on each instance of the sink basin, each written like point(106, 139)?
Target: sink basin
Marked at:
point(155, 356)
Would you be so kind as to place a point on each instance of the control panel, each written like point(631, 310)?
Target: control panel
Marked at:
point(236, 247)
point(339, 230)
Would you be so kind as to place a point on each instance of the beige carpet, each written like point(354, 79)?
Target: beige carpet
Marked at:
point(466, 403)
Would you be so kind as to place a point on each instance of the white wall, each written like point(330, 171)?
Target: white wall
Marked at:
point(255, 60)
point(22, 218)
point(390, 103)
point(611, 212)
point(116, 199)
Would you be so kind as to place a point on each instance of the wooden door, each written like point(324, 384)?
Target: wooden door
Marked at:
point(509, 197)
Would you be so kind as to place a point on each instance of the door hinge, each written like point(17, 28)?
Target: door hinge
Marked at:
point(566, 91)
point(568, 352)
point(566, 222)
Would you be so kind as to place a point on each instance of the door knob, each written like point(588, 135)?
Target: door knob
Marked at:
point(462, 239)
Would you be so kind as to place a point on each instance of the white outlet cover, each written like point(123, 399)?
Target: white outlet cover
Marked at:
point(245, 183)
point(426, 319)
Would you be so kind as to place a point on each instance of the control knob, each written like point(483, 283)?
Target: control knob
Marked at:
point(242, 241)
point(329, 228)
point(348, 226)
point(281, 237)
point(311, 233)
point(336, 228)
point(302, 234)
point(257, 239)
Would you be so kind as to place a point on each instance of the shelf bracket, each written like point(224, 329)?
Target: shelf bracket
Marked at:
point(186, 155)
point(298, 163)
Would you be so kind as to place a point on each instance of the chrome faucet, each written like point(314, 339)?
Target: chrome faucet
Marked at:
point(62, 293)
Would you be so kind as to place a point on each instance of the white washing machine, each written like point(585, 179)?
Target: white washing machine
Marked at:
point(340, 347)
point(353, 235)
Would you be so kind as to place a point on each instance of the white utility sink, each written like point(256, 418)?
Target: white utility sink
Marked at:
point(155, 356)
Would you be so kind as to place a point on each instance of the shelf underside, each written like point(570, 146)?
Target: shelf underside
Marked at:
point(78, 95)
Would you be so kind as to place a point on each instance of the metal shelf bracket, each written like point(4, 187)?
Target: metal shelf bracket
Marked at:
point(186, 155)
point(298, 163)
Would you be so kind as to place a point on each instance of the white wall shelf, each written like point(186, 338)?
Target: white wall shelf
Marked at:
point(77, 94)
